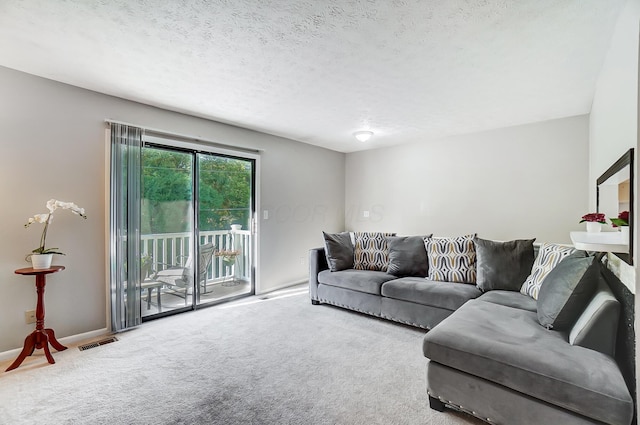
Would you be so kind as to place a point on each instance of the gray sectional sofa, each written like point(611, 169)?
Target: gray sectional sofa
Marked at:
point(414, 301)
point(488, 352)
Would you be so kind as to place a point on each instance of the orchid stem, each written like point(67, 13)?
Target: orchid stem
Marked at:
point(44, 234)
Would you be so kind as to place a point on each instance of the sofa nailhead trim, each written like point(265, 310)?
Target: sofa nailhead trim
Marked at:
point(322, 300)
point(460, 408)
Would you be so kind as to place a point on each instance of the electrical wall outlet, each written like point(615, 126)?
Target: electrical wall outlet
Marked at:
point(30, 316)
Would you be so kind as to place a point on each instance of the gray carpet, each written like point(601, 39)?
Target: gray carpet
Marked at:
point(276, 361)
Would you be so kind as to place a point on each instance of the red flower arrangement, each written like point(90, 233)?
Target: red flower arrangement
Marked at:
point(594, 217)
point(622, 220)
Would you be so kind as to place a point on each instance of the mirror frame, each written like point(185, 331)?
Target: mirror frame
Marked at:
point(624, 161)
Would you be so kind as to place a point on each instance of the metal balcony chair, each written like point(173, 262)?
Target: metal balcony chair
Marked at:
point(178, 279)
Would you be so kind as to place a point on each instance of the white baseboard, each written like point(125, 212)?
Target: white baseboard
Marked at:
point(67, 340)
point(284, 285)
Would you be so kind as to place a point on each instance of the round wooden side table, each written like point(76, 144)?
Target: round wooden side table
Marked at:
point(41, 337)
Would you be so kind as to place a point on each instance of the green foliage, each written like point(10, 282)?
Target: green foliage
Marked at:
point(48, 251)
point(617, 222)
point(224, 191)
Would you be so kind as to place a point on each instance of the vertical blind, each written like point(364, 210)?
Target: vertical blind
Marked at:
point(124, 226)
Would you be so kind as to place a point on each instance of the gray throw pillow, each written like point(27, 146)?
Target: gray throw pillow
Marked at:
point(503, 265)
point(407, 256)
point(338, 250)
point(567, 290)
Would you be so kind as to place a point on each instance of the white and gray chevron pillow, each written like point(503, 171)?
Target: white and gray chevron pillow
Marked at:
point(550, 255)
point(452, 259)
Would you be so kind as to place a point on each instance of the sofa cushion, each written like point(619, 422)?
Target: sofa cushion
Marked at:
point(367, 281)
point(509, 347)
point(549, 256)
point(510, 299)
point(371, 251)
point(407, 256)
point(427, 292)
point(452, 259)
point(339, 251)
point(503, 265)
point(567, 290)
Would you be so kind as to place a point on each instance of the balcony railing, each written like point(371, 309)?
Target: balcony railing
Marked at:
point(173, 249)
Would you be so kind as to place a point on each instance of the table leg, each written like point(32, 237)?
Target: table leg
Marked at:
point(51, 335)
point(149, 293)
point(27, 350)
point(158, 295)
point(45, 347)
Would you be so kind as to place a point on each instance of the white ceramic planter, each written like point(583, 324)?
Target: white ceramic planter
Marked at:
point(593, 226)
point(41, 261)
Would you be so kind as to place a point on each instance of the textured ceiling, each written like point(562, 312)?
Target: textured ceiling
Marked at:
point(318, 70)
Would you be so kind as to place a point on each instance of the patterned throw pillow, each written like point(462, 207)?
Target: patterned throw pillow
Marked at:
point(452, 259)
point(371, 251)
point(549, 256)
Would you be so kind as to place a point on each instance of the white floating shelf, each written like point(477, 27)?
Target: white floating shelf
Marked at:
point(600, 241)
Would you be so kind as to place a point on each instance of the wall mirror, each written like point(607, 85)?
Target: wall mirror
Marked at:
point(614, 195)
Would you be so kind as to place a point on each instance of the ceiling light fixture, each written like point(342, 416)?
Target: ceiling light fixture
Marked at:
point(363, 136)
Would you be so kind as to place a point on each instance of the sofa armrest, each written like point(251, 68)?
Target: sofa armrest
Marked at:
point(317, 263)
point(597, 327)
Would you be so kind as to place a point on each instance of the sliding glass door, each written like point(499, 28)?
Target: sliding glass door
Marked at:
point(166, 228)
point(196, 239)
point(225, 212)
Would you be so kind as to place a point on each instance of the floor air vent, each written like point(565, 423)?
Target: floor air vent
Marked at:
point(97, 343)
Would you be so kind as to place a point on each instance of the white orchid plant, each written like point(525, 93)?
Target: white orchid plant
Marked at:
point(52, 206)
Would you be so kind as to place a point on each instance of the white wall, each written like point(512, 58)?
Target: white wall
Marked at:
point(53, 147)
point(517, 182)
point(613, 123)
point(614, 114)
